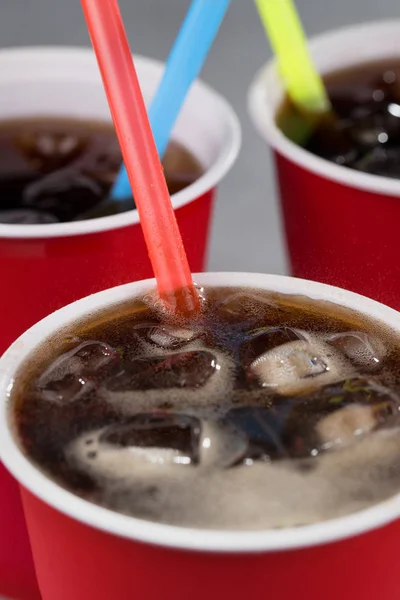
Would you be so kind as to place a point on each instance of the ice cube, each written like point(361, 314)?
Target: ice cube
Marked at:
point(314, 421)
point(299, 367)
point(344, 426)
point(26, 216)
point(332, 141)
point(259, 341)
point(359, 347)
point(143, 442)
point(74, 372)
point(263, 427)
point(174, 380)
point(378, 129)
point(65, 194)
point(158, 431)
point(222, 444)
point(164, 336)
point(188, 370)
point(65, 389)
point(95, 356)
point(103, 165)
point(351, 102)
point(370, 132)
point(381, 161)
point(51, 150)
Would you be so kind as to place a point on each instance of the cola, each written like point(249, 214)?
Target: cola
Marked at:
point(364, 133)
point(60, 170)
point(263, 411)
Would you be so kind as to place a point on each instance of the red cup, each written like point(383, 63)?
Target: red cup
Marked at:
point(341, 225)
point(48, 266)
point(85, 552)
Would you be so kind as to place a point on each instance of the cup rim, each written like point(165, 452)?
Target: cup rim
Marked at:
point(263, 114)
point(211, 177)
point(168, 535)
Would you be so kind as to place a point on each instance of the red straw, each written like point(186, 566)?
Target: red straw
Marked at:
point(145, 172)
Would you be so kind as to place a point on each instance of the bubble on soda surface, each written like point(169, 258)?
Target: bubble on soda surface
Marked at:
point(362, 349)
point(328, 418)
point(50, 150)
point(201, 292)
point(26, 216)
point(65, 194)
point(247, 306)
point(74, 372)
point(222, 444)
point(381, 161)
point(166, 336)
point(299, 367)
point(169, 308)
point(258, 341)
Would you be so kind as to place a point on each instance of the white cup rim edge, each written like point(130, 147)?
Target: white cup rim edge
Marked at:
point(167, 535)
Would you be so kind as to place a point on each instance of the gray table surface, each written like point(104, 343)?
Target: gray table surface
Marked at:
point(247, 231)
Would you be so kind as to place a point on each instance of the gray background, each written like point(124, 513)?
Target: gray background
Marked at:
point(247, 233)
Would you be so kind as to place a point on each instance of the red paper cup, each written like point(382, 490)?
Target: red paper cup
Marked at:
point(86, 552)
point(45, 267)
point(341, 225)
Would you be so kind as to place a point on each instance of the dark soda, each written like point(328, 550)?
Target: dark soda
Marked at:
point(59, 170)
point(266, 411)
point(365, 133)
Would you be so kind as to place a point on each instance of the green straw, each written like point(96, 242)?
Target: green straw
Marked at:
point(289, 43)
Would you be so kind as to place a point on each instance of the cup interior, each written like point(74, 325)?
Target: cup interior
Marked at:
point(331, 51)
point(66, 82)
point(167, 535)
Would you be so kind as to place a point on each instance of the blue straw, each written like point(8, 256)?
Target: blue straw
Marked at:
point(184, 64)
